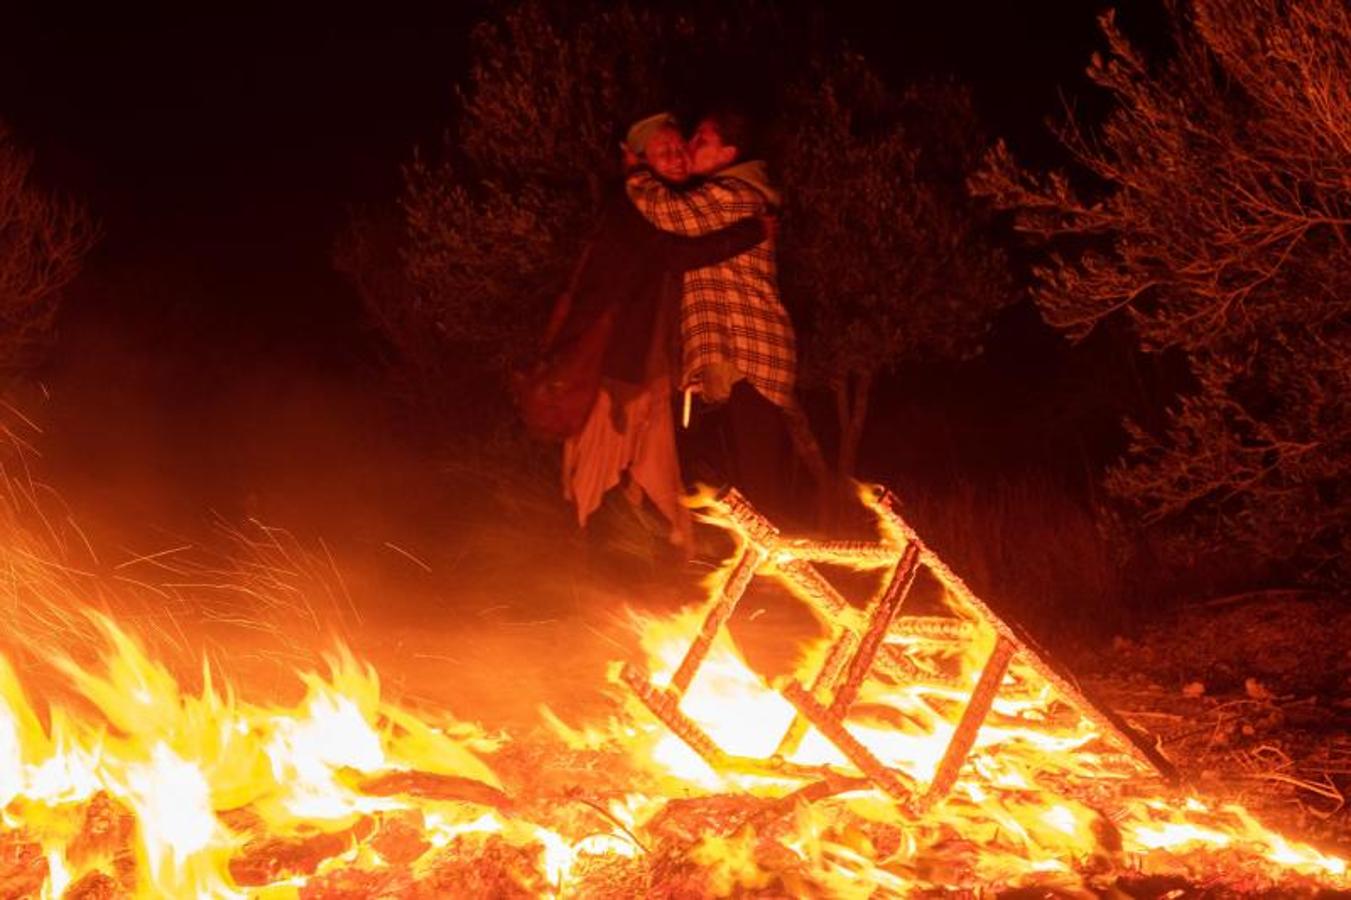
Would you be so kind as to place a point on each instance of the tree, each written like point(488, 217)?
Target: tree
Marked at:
point(497, 219)
point(1213, 213)
point(43, 239)
point(883, 250)
point(420, 364)
point(458, 276)
point(490, 223)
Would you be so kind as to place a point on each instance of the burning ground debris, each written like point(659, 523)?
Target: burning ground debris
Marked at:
point(1252, 692)
point(135, 779)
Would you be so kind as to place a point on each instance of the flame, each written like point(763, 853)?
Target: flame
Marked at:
point(1043, 794)
point(183, 844)
point(1029, 832)
point(163, 791)
point(183, 788)
point(131, 782)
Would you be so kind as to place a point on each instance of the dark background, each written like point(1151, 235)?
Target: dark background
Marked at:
point(208, 347)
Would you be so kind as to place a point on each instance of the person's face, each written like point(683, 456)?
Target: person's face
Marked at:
point(667, 156)
point(708, 153)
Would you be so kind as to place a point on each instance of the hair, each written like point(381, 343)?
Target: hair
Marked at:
point(734, 127)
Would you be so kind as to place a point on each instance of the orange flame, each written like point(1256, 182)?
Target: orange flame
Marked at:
point(150, 790)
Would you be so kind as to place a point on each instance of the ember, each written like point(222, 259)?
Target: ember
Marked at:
point(963, 762)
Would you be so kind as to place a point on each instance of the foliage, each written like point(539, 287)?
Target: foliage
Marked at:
point(1215, 218)
point(1029, 544)
point(882, 248)
point(497, 219)
point(43, 239)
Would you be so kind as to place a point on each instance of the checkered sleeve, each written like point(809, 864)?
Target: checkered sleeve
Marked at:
point(730, 312)
point(707, 207)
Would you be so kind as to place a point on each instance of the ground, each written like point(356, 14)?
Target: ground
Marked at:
point(1252, 695)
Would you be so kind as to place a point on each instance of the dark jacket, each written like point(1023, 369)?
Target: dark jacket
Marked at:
point(634, 268)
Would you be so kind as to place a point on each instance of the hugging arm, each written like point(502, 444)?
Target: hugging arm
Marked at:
point(682, 253)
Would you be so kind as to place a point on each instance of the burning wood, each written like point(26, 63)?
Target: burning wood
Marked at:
point(752, 557)
point(906, 753)
point(880, 621)
point(973, 717)
point(1010, 720)
point(859, 648)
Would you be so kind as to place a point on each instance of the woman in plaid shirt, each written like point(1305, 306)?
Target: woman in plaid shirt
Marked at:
point(738, 347)
point(629, 284)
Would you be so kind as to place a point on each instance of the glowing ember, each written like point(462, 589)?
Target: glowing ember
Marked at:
point(134, 786)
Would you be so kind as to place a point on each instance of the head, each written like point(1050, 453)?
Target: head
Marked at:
point(666, 153)
point(721, 138)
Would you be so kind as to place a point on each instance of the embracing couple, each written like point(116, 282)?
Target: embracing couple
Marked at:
point(678, 292)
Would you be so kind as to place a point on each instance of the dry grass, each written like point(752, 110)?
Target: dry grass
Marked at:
point(1027, 546)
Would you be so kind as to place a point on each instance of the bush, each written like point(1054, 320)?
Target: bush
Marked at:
point(43, 239)
point(1030, 548)
point(1213, 213)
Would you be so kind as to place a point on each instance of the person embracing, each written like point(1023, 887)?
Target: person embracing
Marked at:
point(738, 347)
point(617, 325)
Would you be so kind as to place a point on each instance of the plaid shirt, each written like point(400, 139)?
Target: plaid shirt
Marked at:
point(729, 312)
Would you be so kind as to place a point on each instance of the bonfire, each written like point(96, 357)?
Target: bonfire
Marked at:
point(923, 746)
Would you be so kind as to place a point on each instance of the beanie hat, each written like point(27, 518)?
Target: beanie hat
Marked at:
point(642, 131)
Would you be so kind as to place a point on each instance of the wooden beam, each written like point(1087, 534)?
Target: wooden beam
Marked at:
point(665, 705)
point(880, 619)
point(889, 780)
point(1060, 678)
point(973, 717)
point(752, 555)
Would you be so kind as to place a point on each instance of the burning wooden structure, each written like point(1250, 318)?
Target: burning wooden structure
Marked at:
point(909, 753)
point(859, 650)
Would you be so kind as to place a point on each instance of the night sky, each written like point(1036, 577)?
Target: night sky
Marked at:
point(219, 150)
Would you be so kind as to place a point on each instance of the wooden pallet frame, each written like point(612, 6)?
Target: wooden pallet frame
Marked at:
point(858, 649)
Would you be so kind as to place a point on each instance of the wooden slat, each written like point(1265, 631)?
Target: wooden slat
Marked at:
point(889, 780)
point(973, 717)
point(855, 554)
point(882, 615)
point(752, 555)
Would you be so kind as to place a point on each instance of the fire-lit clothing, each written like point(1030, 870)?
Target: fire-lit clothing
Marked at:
point(632, 269)
point(629, 430)
point(730, 312)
